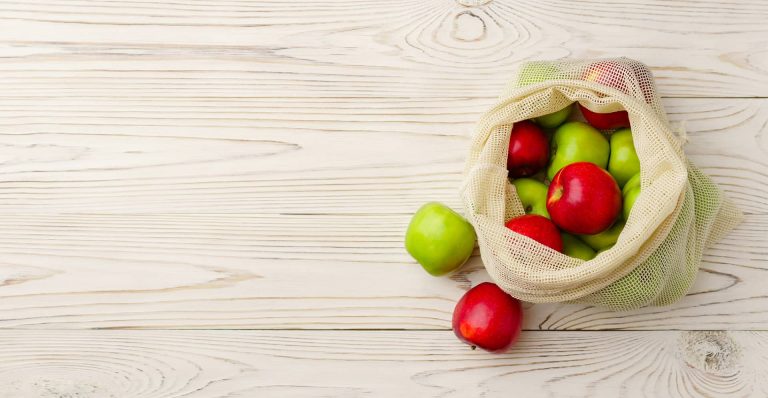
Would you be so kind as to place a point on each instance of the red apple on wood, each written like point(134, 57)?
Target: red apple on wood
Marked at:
point(583, 199)
point(528, 149)
point(488, 317)
point(538, 228)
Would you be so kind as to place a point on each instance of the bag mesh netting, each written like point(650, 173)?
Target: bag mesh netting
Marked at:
point(678, 213)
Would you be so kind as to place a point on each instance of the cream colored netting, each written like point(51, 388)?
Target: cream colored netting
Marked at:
point(678, 213)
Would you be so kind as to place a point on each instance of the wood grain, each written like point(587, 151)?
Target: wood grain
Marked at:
point(399, 49)
point(249, 107)
point(199, 230)
point(193, 179)
point(199, 164)
point(229, 271)
point(354, 363)
point(393, 166)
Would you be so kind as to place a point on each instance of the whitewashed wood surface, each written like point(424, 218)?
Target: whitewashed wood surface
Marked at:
point(252, 165)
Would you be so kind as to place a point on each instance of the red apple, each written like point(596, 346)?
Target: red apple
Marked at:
point(488, 317)
point(618, 74)
point(528, 149)
point(538, 228)
point(583, 199)
point(609, 73)
point(605, 121)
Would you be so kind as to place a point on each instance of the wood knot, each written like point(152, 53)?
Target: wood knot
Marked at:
point(467, 26)
point(714, 352)
point(473, 3)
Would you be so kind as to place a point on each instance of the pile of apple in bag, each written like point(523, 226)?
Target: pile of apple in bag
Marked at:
point(577, 181)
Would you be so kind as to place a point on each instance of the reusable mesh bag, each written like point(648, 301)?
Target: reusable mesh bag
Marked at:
point(678, 213)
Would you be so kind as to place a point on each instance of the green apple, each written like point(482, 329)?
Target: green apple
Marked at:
point(555, 119)
point(638, 287)
point(606, 238)
point(623, 163)
point(577, 142)
point(440, 239)
point(630, 192)
point(574, 247)
point(633, 183)
point(536, 72)
point(629, 201)
point(533, 195)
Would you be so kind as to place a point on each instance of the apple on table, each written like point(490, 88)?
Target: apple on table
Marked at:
point(440, 239)
point(487, 317)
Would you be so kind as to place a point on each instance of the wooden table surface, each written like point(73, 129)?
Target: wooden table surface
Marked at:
point(204, 198)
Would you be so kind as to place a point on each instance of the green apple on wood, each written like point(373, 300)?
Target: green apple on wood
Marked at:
point(574, 247)
point(577, 142)
point(533, 195)
point(623, 162)
point(440, 239)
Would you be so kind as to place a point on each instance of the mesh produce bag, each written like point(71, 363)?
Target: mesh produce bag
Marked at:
point(678, 213)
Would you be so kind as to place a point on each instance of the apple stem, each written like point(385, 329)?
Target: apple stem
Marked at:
point(473, 347)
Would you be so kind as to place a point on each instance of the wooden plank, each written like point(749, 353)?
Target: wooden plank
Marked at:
point(147, 232)
point(375, 363)
point(218, 271)
point(386, 158)
point(226, 164)
point(404, 49)
point(229, 164)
